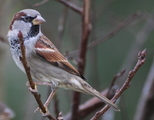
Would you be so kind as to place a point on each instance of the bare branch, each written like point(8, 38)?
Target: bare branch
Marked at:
point(114, 79)
point(32, 85)
point(140, 39)
point(140, 62)
point(115, 30)
point(40, 3)
point(82, 54)
point(108, 36)
point(71, 6)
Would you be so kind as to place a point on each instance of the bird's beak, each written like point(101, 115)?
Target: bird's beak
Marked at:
point(38, 20)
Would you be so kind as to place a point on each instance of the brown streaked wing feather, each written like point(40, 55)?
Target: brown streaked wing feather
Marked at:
point(46, 49)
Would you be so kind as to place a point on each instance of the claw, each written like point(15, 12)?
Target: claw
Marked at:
point(36, 110)
point(27, 84)
point(30, 89)
point(43, 114)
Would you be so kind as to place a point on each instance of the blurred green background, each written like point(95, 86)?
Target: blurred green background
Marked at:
point(104, 61)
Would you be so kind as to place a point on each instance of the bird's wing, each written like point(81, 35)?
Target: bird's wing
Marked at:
point(46, 50)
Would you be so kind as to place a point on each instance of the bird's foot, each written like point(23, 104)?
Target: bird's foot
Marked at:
point(30, 88)
point(46, 104)
point(43, 113)
point(46, 109)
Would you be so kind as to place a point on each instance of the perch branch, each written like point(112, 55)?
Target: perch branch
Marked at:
point(140, 62)
point(82, 53)
point(27, 70)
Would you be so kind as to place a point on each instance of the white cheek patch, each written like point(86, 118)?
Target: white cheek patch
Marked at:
point(21, 25)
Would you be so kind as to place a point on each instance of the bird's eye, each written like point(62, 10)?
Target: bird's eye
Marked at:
point(27, 19)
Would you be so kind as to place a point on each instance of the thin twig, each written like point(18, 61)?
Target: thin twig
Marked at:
point(108, 36)
point(82, 54)
point(114, 79)
point(32, 85)
point(140, 39)
point(71, 6)
point(140, 62)
point(40, 3)
point(115, 30)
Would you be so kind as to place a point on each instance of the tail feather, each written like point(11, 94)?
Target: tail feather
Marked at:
point(95, 93)
point(82, 86)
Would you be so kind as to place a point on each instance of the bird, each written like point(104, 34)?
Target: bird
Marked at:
point(46, 63)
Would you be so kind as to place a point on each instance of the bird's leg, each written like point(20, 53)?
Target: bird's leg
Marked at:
point(46, 104)
point(53, 91)
point(31, 89)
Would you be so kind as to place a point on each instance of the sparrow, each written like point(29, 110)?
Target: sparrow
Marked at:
point(46, 63)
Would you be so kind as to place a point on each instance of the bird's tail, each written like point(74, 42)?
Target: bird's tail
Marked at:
point(88, 89)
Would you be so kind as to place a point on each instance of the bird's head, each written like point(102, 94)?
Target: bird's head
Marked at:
point(27, 21)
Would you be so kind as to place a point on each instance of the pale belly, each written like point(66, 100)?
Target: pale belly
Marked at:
point(44, 71)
